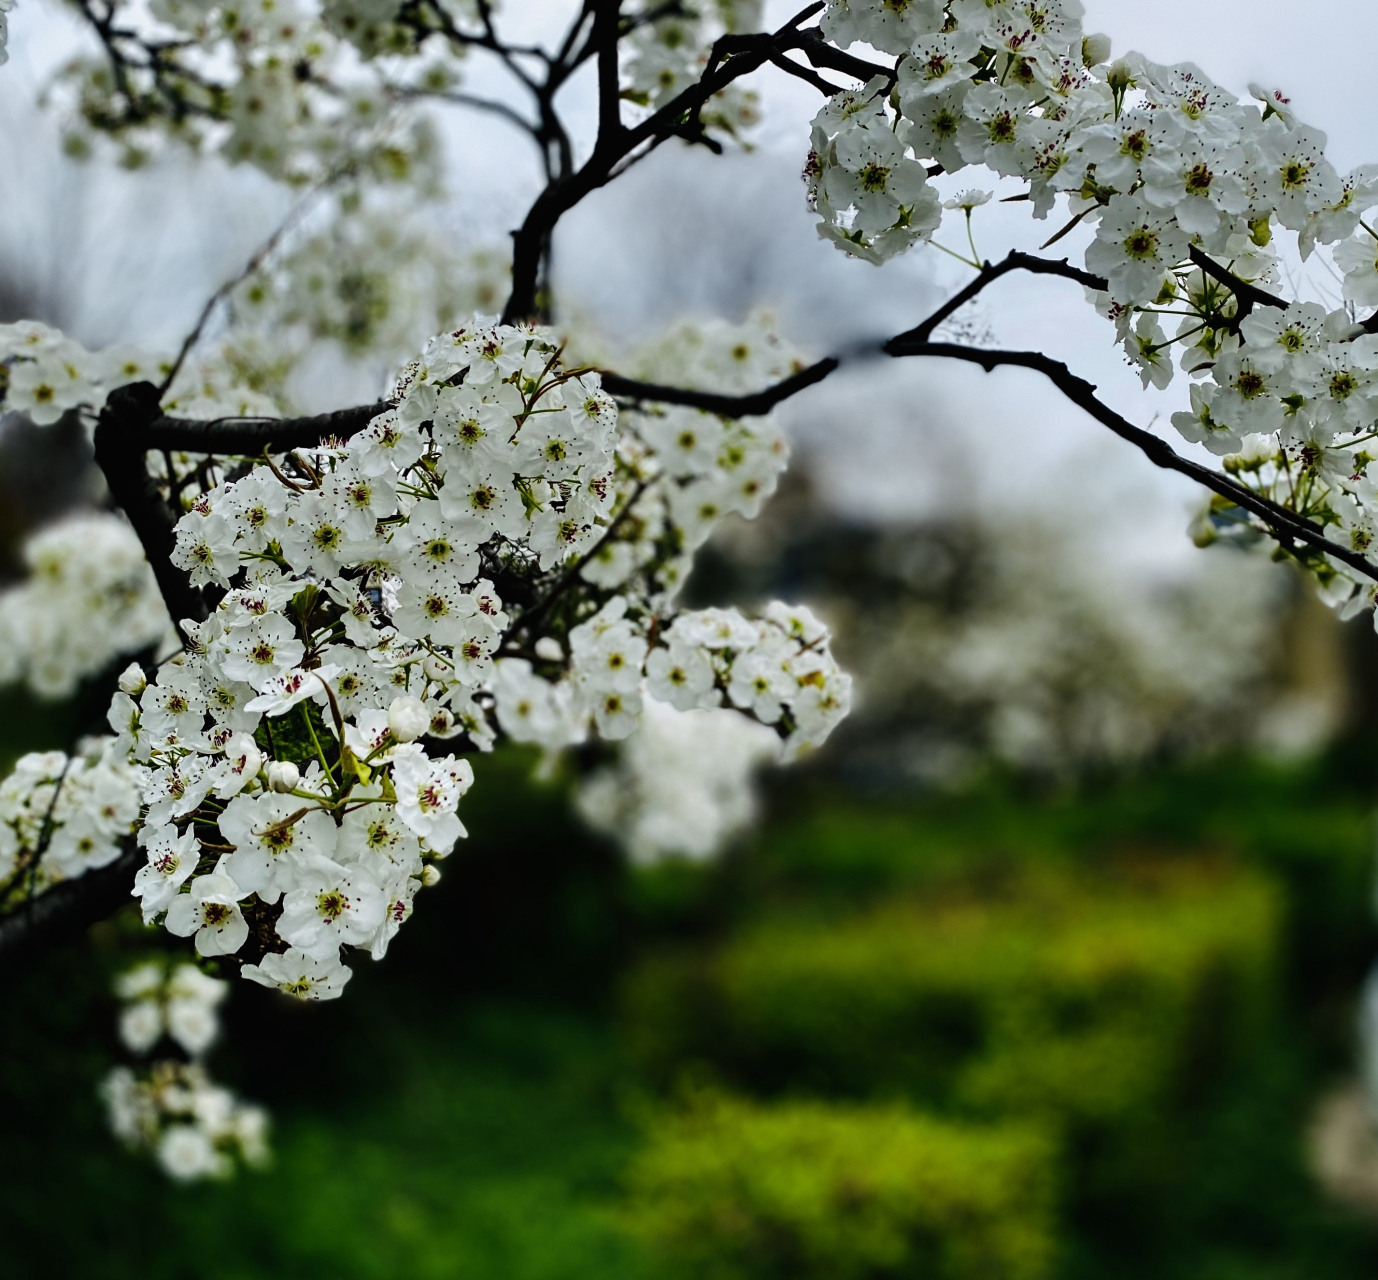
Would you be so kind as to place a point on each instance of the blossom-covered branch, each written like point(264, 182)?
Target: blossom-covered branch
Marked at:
point(1286, 526)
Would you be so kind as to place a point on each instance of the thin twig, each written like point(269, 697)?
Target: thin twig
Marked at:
point(523, 620)
point(1014, 261)
point(461, 99)
point(260, 256)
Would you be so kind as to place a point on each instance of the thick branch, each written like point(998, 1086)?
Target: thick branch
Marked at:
point(1289, 527)
point(604, 37)
point(120, 450)
point(748, 54)
point(249, 437)
point(68, 908)
point(1249, 295)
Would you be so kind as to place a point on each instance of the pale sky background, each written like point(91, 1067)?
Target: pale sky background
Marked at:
point(121, 257)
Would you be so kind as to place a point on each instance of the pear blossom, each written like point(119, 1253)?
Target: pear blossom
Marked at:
point(211, 912)
point(297, 974)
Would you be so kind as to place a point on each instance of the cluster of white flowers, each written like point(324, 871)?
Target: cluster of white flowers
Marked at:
point(873, 198)
point(62, 816)
point(90, 597)
point(715, 355)
point(291, 807)
point(44, 374)
point(684, 470)
point(171, 1108)
point(373, 280)
point(1186, 187)
point(181, 1004)
point(272, 83)
point(682, 786)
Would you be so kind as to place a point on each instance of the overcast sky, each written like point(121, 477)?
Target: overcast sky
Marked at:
point(125, 258)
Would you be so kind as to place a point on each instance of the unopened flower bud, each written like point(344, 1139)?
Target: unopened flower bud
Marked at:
point(1120, 76)
point(283, 775)
point(548, 647)
point(245, 760)
point(1095, 49)
point(132, 680)
point(408, 718)
point(430, 875)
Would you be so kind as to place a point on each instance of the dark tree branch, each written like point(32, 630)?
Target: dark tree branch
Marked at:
point(746, 406)
point(604, 38)
point(120, 450)
point(131, 424)
point(803, 73)
point(1014, 261)
point(1288, 527)
point(1249, 295)
point(249, 437)
point(67, 908)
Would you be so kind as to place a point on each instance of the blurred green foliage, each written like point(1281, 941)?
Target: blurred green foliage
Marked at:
point(1130, 994)
point(1109, 1007)
point(1082, 996)
point(730, 1191)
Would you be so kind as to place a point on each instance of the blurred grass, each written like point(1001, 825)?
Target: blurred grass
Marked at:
point(470, 1108)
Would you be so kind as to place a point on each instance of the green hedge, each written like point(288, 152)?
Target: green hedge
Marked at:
point(809, 1190)
point(1103, 1004)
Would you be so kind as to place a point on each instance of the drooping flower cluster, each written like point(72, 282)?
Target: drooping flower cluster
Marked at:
point(682, 786)
point(171, 1108)
point(62, 816)
point(292, 807)
point(873, 197)
point(90, 598)
point(1186, 188)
